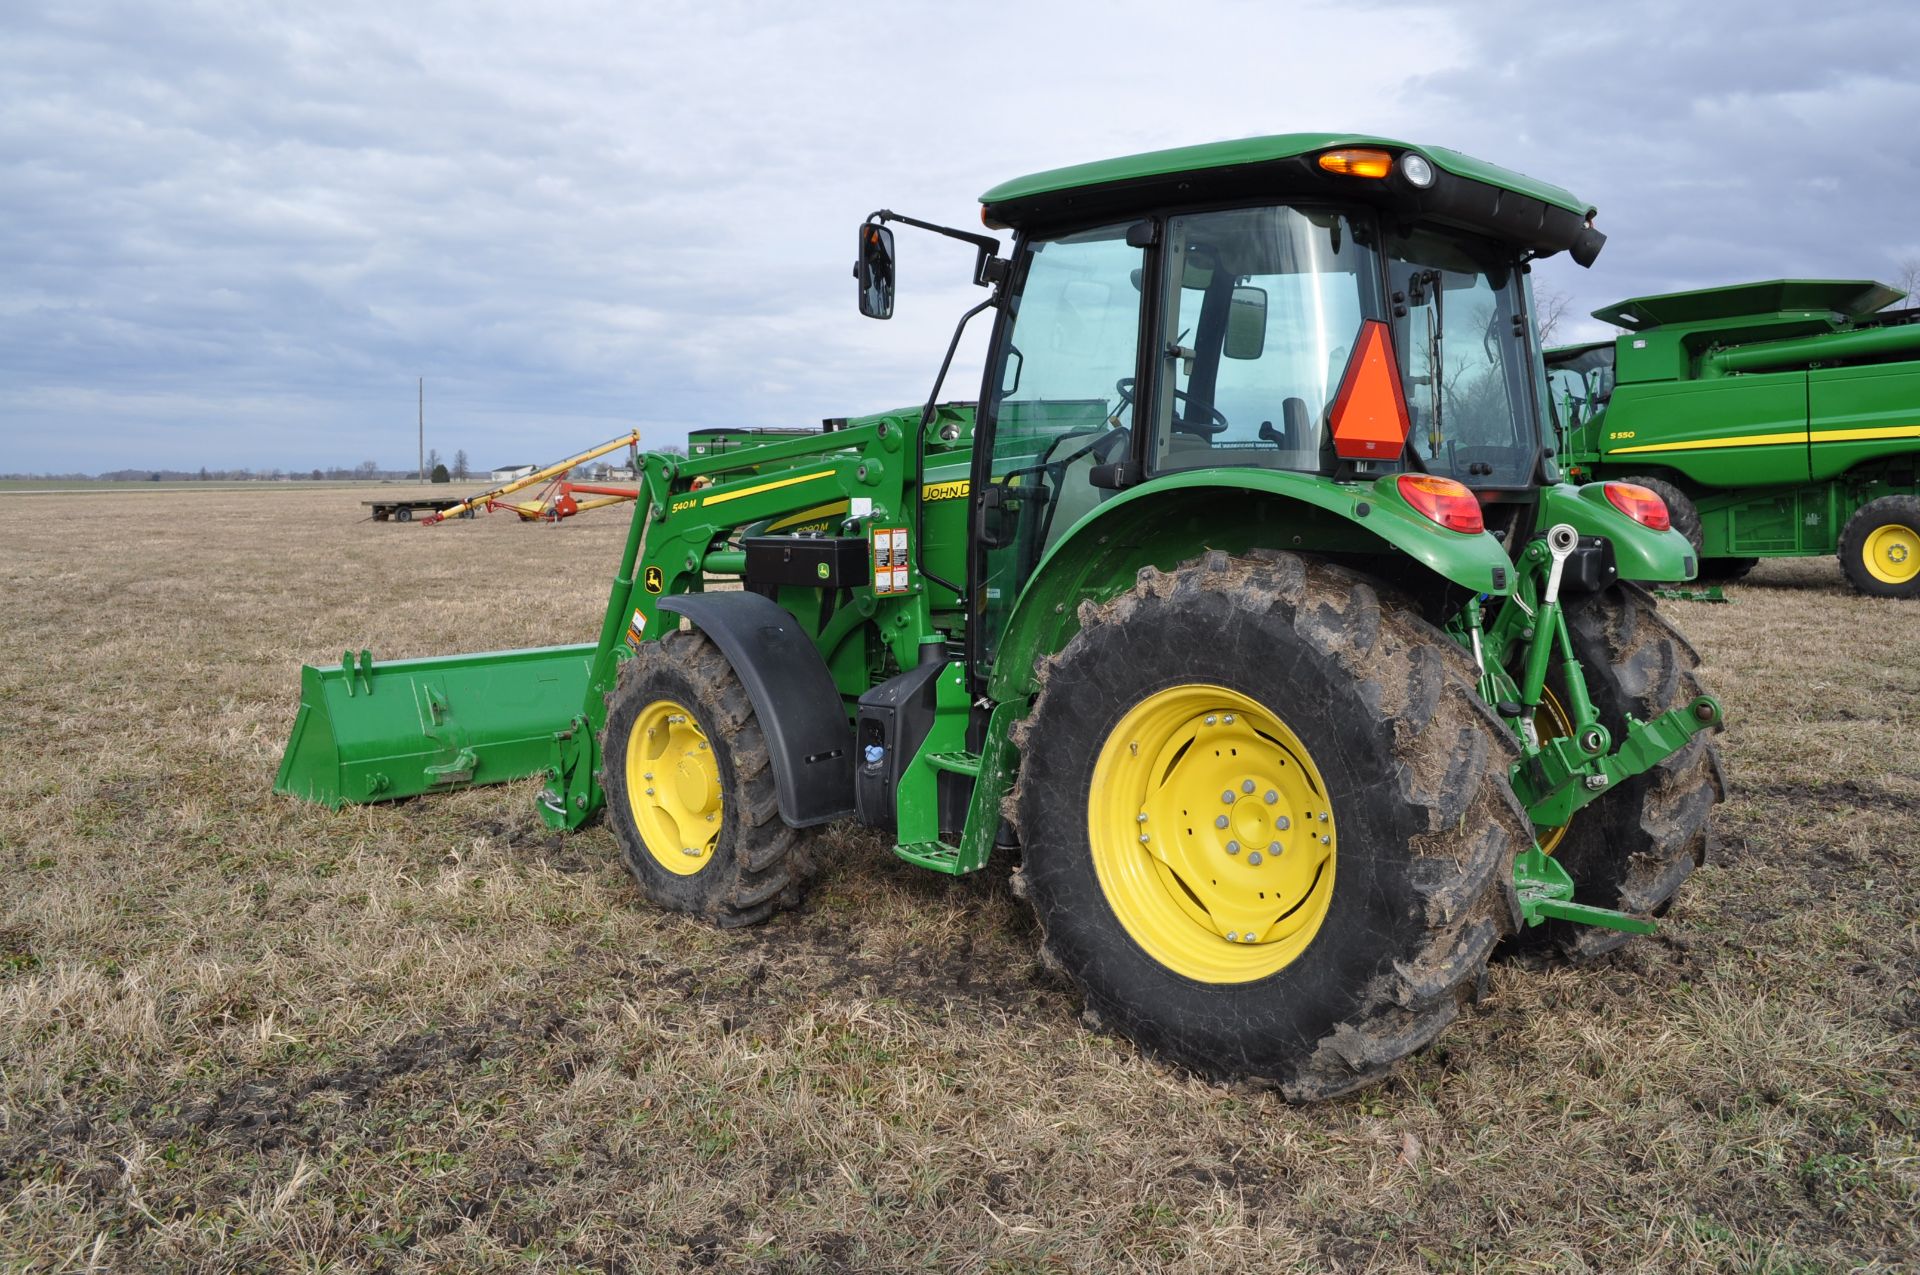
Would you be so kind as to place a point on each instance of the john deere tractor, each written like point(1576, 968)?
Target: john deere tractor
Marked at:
point(1245, 612)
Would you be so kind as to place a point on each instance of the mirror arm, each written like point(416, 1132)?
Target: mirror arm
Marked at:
point(988, 267)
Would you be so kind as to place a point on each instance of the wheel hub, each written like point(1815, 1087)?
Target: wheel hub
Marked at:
point(673, 787)
point(1212, 833)
point(1892, 553)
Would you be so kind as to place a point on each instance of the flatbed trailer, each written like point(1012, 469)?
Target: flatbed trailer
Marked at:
point(399, 510)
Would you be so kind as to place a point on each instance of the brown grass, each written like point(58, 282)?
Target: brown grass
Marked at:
point(241, 1033)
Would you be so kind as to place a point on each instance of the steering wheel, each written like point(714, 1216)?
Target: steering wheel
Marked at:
point(1216, 422)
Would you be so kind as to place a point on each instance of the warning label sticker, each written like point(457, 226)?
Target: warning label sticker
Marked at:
point(636, 630)
point(891, 572)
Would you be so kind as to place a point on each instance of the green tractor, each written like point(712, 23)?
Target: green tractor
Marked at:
point(1776, 419)
point(1245, 611)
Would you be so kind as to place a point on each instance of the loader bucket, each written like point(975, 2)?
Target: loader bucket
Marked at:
point(368, 732)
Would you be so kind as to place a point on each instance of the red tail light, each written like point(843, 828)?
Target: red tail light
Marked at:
point(1640, 504)
point(1447, 502)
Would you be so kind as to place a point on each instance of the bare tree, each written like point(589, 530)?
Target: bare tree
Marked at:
point(433, 459)
point(1908, 280)
point(460, 464)
point(1550, 306)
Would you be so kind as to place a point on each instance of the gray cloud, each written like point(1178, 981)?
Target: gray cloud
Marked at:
point(234, 234)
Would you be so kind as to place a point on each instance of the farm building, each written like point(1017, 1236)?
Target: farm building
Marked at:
point(507, 473)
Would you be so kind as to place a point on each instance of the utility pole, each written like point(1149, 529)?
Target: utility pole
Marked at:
point(423, 429)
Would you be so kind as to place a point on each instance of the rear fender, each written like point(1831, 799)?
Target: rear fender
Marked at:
point(1177, 517)
point(1640, 553)
point(809, 734)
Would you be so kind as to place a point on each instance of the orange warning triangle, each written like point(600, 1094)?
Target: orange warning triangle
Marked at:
point(1370, 411)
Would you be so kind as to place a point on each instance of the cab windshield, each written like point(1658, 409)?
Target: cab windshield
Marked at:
point(1264, 308)
point(1580, 383)
point(1467, 358)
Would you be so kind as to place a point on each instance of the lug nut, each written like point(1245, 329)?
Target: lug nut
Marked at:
point(649, 792)
point(1144, 838)
point(1233, 847)
point(1272, 796)
point(1228, 719)
point(1253, 857)
point(1141, 817)
point(1233, 936)
point(1247, 937)
point(1596, 782)
point(1220, 822)
point(1325, 840)
point(1282, 823)
point(1211, 719)
point(1247, 786)
point(1227, 796)
point(1273, 847)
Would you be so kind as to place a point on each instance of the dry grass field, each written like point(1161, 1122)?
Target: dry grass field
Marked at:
point(240, 1033)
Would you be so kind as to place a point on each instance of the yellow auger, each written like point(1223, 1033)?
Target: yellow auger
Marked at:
point(629, 440)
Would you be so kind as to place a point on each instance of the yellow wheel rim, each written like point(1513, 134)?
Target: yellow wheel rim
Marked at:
point(1892, 553)
point(673, 787)
point(1212, 835)
point(1550, 720)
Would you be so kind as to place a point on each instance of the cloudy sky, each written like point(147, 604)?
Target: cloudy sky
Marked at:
point(233, 234)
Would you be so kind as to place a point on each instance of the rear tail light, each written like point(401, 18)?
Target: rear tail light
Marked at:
point(1451, 504)
point(1641, 504)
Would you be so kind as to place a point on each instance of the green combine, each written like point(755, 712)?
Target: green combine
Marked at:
point(1245, 611)
point(1777, 419)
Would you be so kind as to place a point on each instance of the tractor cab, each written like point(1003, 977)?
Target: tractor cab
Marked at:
point(1327, 308)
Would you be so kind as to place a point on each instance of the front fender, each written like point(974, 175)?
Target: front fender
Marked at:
point(1640, 553)
point(1171, 519)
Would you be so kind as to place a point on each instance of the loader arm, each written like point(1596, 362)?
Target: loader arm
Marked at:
point(371, 731)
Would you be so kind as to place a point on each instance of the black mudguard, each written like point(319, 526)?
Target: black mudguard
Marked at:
point(809, 734)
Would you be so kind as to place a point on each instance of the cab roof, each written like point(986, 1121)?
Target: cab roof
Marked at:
point(1851, 298)
point(1213, 156)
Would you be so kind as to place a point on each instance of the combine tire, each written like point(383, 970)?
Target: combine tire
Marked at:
point(690, 793)
point(1631, 849)
point(1880, 548)
point(1266, 822)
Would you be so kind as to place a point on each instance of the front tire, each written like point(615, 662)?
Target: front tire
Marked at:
point(1379, 808)
point(690, 790)
point(1633, 848)
point(1880, 548)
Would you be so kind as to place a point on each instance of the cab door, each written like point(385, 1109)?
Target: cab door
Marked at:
point(1066, 363)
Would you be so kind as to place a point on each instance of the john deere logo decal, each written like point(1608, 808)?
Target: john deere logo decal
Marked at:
point(822, 570)
point(654, 580)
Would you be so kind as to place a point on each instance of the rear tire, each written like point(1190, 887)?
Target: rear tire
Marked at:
point(690, 791)
point(1631, 849)
point(1880, 548)
point(1340, 695)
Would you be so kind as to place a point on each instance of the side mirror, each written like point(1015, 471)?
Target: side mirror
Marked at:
point(874, 270)
point(1246, 324)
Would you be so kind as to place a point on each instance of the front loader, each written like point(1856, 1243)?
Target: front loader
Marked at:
point(1245, 612)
